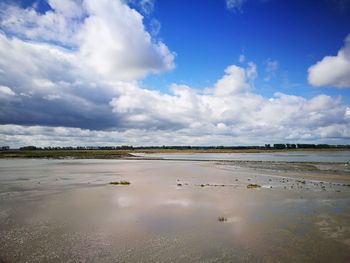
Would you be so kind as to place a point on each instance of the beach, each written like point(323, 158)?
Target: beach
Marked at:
point(173, 210)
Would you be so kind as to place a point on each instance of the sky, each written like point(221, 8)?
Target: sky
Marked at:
point(185, 72)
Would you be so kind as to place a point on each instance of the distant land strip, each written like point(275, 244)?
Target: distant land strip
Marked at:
point(118, 152)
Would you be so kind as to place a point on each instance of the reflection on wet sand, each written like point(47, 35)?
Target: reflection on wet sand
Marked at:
point(53, 210)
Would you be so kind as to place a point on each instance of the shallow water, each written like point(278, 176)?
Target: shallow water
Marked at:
point(314, 156)
point(66, 210)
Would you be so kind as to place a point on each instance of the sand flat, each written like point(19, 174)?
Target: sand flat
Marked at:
point(66, 210)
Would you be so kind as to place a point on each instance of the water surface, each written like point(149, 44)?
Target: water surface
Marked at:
point(309, 156)
point(66, 210)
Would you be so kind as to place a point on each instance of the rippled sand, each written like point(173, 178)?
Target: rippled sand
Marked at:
point(66, 210)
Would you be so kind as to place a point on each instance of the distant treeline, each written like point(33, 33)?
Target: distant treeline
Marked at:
point(279, 146)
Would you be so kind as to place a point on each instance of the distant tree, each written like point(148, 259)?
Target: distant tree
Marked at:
point(304, 146)
point(28, 148)
point(279, 146)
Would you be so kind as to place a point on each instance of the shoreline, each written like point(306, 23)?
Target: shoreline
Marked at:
point(336, 171)
point(318, 171)
point(117, 154)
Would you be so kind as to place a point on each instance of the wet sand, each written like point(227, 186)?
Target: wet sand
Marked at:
point(66, 210)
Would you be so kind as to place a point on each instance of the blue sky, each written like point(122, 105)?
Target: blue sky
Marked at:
point(154, 72)
point(207, 36)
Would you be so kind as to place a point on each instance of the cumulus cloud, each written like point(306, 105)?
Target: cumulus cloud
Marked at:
point(68, 8)
point(128, 50)
point(81, 88)
point(108, 36)
point(236, 80)
point(36, 72)
point(239, 112)
point(332, 71)
point(57, 26)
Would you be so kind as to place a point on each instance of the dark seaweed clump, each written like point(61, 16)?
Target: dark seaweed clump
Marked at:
point(222, 219)
point(252, 186)
point(120, 183)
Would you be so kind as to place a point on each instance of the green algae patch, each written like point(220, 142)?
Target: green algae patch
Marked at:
point(253, 186)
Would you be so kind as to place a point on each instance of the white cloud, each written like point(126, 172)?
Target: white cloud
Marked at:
point(89, 94)
point(110, 39)
point(235, 5)
point(251, 72)
point(271, 66)
point(57, 91)
point(4, 90)
point(128, 51)
point(52, 97)
point(145, 6)
point(236, 80)
point(347, 113)
point(68, 8)
point(57, 25)
point(36, 70)
point(241, 58)
point(332, 71)
point(155, 27)
point(232, 112)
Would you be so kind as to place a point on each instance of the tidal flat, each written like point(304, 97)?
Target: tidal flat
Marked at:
point(173, 211)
